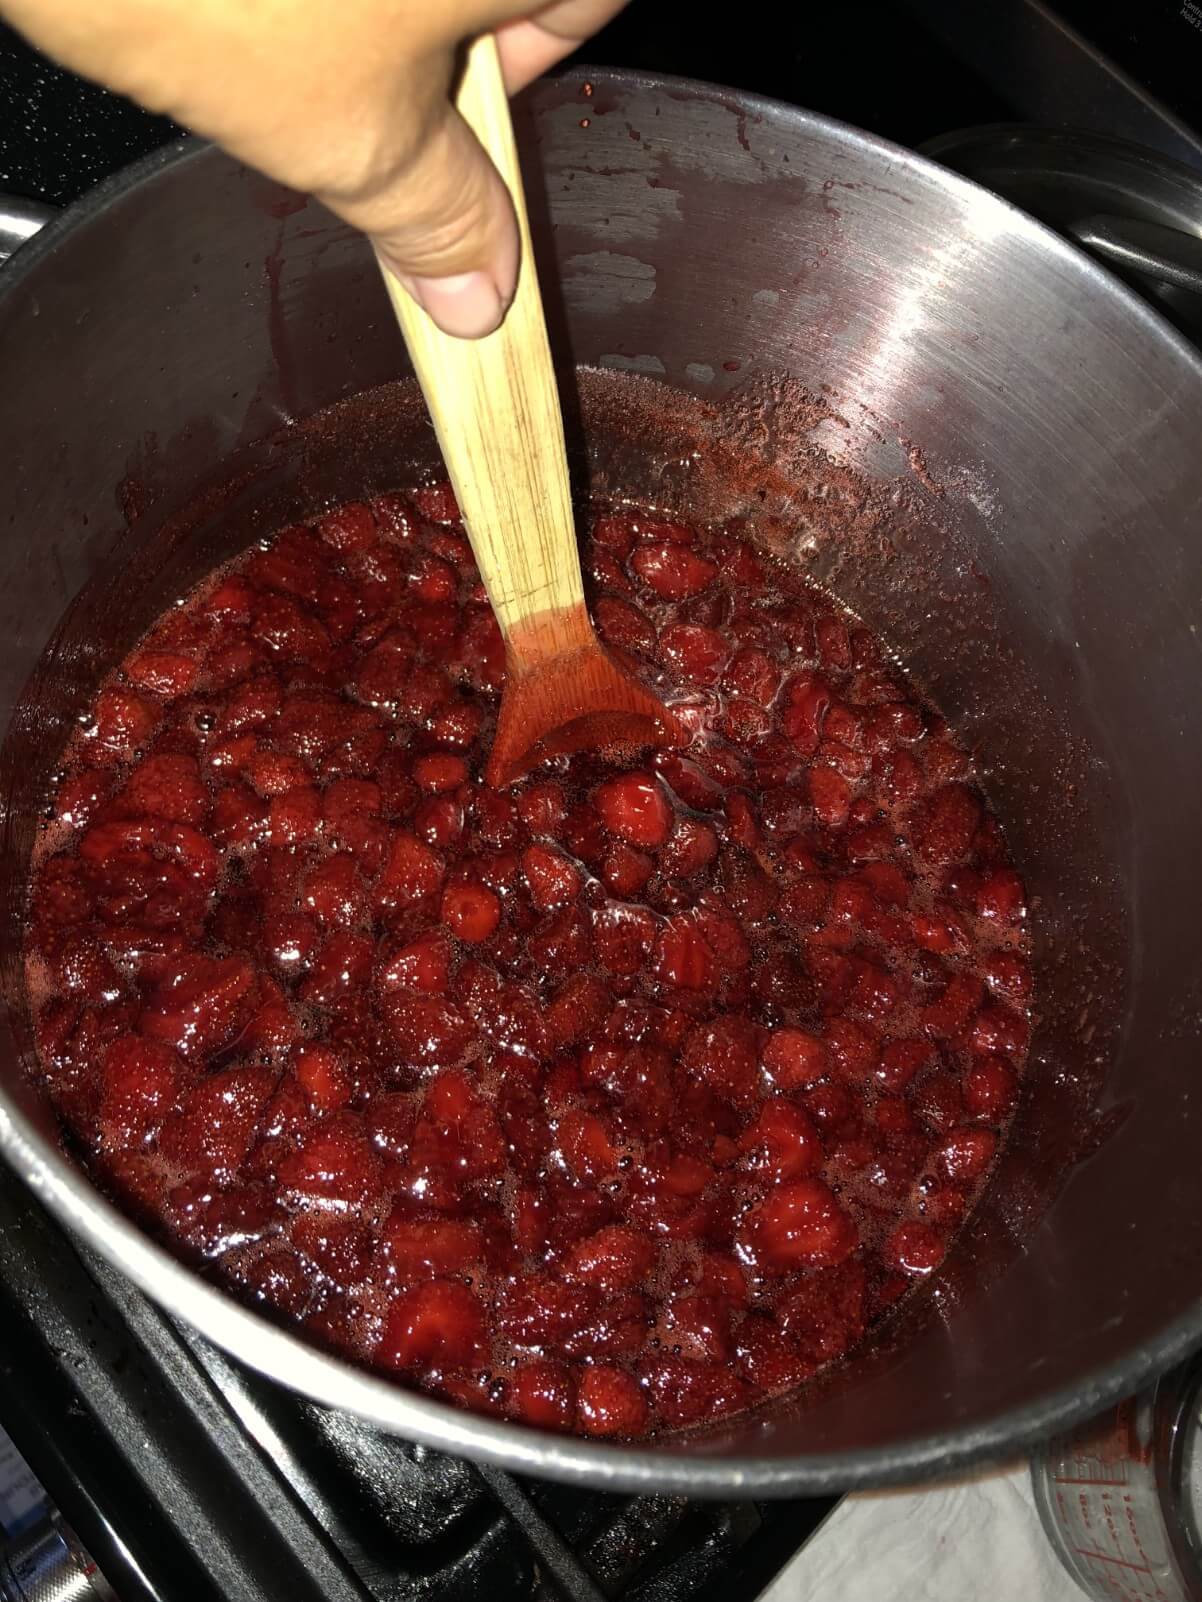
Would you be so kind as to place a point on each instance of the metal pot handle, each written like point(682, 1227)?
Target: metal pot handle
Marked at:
point(1151, 248)
point(19, 221)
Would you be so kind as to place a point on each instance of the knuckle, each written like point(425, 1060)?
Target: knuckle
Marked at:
point(441, 223)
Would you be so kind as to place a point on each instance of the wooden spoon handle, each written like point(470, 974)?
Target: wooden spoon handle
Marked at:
point(496, 408)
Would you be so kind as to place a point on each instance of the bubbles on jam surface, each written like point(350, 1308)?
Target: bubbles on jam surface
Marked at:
point(612, 1102)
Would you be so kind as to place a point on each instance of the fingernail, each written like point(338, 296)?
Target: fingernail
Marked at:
point(466, 304)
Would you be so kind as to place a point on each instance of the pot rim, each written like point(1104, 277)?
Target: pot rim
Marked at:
point(675, 1464)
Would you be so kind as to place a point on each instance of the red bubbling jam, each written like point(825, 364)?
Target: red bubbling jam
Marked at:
point(611, 1102)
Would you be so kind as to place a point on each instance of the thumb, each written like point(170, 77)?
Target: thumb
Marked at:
point(443, 223)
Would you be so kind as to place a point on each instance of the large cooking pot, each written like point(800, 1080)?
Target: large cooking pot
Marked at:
point(997, 460)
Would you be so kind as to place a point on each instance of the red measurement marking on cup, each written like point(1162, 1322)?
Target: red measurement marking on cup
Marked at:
point(1105, 1557)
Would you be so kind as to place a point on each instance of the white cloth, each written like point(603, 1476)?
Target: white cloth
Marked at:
point(976, 1536)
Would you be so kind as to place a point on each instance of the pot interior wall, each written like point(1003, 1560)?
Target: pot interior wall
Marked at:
point(962, 428)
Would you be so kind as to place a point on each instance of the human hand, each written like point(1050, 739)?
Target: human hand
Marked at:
point(350, 102)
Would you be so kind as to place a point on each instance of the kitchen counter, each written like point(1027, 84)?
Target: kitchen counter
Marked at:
point(976, 1536)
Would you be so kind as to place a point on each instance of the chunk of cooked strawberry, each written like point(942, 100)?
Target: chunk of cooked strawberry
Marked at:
point(439, 821)
point(543, 1393)
point(794, 1058)
point(411, 872)
point(701, 1326)
point(950, 1012)
point(272, 1026)
point(79, 796)
point(914, 1248)
point(168, 786)
point(436, 503)
point(615, 1258)
point(167, 674)
point(349, 527)
point(288, 631)
point(765, 1360)
point(341, 966)
point(586, 1145)
point(421, 964)
point(551, 878)
point(276, 772)
point(752, 673)
point(900, 1061)
point(426, 1030)
point(218, 1121)
point(82, 966)
point(672, 571)
point(683, 958)
point(542, 807)
point(440, 771)
point(802, 707)
point(431, 1247)
point(830, 796)
point(577, 1009)
point(151, 837)
point(695, 653)
point(609, 1402)
point(537, 1311)
point(853, 1049)
point(340, 1246)
point(722, 1053)
point(123, 721)
point(990, 1089)
point(691, 849)
point(294, 818)
point(965, 1154)
point(684, 1391)
point(470, 910)
point(230, 601)
point(782, 1142)
point(999, 1029)
point(748, 725)
point(140, 1080)
point(333, 892)
point(322, 1077)
point(938, 1100)
point(633, 806)
point(202, 1005)
point(335, 1161)
point(435, 1326)
point(622, 937)
point(616, 532)
point(623, 626)
point(799, 1225)
point(742, 820)
point(947, 823)
point(625, 870)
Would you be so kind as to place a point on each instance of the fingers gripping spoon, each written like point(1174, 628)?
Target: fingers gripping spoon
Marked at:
point(496, 413)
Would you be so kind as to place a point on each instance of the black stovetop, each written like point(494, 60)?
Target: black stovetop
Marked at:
point(188, 1477)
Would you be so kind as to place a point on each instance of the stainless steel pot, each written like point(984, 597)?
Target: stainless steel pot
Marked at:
point(1011, 487)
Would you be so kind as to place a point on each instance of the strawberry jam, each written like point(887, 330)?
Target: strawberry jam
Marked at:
point(611, 1102)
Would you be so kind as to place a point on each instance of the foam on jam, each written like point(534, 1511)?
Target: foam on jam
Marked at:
point(611, 1102)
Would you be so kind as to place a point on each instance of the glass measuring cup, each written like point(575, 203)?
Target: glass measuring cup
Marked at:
point(1120, 1496)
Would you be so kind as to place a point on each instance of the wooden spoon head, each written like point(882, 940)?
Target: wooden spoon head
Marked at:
point(580, 700)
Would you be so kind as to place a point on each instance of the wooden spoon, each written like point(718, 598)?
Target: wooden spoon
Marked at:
point(496, 413)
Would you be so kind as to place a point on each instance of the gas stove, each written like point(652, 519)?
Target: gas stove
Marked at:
point(185, 1476)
